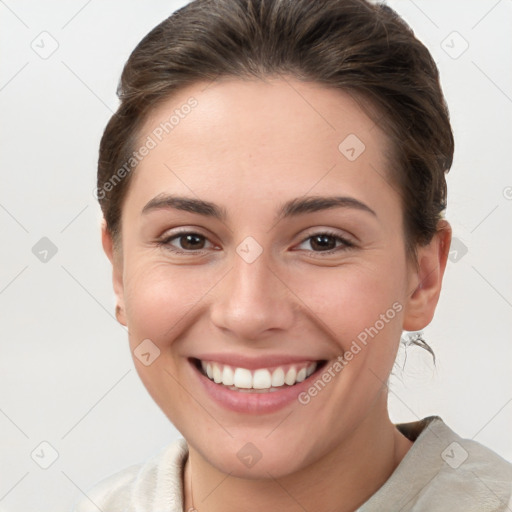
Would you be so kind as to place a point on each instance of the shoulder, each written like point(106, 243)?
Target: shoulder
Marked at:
point(465, 456)
point(443, 472)
point(146, 485)
point(478, 477)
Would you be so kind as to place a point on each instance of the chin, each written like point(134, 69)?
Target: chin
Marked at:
point(259, 459)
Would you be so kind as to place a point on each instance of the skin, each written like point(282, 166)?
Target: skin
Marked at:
point(249, 146)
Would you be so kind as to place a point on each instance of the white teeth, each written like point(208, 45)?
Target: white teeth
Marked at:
point(242, 378)
point(261, 379)
point(278, 377)
point(217, 374)
point(228, 376)
point(291, 375)
point(301, 375)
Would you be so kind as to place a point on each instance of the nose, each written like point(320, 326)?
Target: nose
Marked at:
point(253, 302)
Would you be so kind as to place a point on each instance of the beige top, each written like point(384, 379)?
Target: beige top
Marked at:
point(440, 473)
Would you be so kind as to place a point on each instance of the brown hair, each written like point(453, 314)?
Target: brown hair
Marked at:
point(352, 45)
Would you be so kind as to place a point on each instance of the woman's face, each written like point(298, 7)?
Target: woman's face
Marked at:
point(227, 260)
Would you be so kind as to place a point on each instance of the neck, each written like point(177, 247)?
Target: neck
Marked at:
point(342, 480)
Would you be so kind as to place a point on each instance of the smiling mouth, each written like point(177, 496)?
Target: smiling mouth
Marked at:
point(262, 380)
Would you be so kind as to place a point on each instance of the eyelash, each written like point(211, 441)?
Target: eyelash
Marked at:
point(165, 242)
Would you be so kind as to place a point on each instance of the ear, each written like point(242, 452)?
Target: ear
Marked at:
point(117, 271)
point(425, 282)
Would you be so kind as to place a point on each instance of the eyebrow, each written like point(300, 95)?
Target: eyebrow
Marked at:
point(292, 208)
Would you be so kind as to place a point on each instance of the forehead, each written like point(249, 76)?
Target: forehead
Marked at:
point(278, 136)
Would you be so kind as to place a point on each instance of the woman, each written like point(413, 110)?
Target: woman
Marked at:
point(273, 189)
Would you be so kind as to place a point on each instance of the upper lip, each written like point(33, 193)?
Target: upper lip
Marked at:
point(253, 363)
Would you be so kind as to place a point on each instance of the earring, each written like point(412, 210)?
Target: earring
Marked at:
point(416, 338)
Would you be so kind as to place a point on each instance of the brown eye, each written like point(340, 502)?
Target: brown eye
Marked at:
point(185, 242)
point(323, 242)
point(326, 242)
point(191, 241)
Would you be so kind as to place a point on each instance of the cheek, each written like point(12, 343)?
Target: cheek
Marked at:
point(160, 298)
point(160, 301)
point(349, 300)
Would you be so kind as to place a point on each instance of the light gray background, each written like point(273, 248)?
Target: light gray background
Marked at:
point(66, 375)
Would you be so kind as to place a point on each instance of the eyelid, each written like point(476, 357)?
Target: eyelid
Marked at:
point(342, 235)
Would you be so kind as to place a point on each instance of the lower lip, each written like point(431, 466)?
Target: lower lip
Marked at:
point(252, 403)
